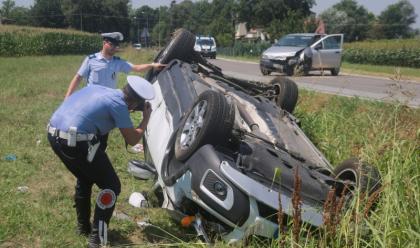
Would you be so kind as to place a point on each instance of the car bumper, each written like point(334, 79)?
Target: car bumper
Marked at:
point(260, 192)
point(273, 65)
point(277, 65)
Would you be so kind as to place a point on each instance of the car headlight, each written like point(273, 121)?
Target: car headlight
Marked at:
point(265, 56)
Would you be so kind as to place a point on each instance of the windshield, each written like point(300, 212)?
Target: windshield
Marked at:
point(295, 41)
point(205, 42)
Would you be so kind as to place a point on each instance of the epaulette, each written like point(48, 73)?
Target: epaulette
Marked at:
point(116, 57)
point(92, 56)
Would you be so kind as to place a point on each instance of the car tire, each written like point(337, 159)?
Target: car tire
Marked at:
point(210, 121)
point(366, 178)
point(335, 71)
point(264, 71)
point(180, 47)
point(288, 93)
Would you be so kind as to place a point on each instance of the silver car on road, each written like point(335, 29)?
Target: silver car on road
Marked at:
point(303, 52)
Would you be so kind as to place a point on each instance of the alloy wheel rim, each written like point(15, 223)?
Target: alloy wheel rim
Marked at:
point(193, 125)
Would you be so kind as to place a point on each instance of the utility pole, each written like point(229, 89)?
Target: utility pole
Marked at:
point(138, 27)
point(159, 28)
point(81, 21)
point(147, 34)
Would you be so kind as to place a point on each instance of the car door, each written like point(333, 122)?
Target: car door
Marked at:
point(327, 52)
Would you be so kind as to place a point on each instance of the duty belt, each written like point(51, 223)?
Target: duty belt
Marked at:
point(64, 135)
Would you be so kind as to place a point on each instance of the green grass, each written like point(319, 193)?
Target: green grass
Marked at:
point(382, 70)
point(31, 88)
point(363, 69)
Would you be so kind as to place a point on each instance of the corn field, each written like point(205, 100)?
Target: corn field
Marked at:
point(405, 53)
point(27, 41)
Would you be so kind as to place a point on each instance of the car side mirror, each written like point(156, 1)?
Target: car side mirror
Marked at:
point(318, 46)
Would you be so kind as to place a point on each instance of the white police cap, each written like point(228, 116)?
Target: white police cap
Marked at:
point(141, 86)
point(114, 36)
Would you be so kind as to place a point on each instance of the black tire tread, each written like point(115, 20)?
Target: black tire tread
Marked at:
point(335, 71)
point(216, 128)
point(288, 93)
point(369, 176)
point(181, 48)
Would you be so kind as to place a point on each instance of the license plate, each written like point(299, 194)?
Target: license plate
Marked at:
point(278, 66)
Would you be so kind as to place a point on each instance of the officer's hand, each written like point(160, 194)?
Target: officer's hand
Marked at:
point(158, 66)
point(147, 111)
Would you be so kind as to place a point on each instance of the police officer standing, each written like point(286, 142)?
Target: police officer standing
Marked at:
point(75, 132)
point(102, 67)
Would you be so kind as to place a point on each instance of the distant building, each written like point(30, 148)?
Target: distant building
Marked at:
point(253, 34)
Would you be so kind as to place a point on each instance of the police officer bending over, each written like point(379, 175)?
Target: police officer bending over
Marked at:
point(75, 132)
point(102, 67)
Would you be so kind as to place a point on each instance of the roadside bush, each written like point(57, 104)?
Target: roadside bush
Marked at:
point(244, 49)
point(26, 41)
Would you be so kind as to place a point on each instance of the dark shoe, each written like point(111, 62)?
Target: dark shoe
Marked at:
point(94, 240)
point(82, 206)
point(83, 229)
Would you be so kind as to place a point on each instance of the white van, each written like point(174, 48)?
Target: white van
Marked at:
point(206, 46)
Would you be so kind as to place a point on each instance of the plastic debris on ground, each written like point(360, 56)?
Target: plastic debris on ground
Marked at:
point(23, 189)
point(10, 157)
point(138, 200)
point(143, 224)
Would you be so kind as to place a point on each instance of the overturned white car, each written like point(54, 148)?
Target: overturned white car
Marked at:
point(214, 145)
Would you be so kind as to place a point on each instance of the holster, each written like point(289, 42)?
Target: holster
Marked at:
point(93, 146)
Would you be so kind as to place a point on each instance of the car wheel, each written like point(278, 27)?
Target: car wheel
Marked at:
point(287, 93)
point(180, 47)
point(335, 71)
point(264, 71)
point(301, 70)
point(210, 121)
point(363, 176)
point(290, 70)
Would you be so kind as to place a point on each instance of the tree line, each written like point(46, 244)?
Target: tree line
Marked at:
point(217, 18)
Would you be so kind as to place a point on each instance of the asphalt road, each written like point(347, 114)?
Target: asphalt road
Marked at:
point(367, 87)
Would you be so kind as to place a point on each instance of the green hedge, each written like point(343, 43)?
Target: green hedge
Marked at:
point(405, 53)
point(26, 41)
point(244, 49)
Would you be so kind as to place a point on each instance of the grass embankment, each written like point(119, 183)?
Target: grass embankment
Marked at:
point(31, 88)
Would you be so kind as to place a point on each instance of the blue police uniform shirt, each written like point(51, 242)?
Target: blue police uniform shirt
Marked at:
point(95, 109)
point(99, 70)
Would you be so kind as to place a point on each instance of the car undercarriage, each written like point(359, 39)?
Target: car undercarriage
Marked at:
point(230, 152)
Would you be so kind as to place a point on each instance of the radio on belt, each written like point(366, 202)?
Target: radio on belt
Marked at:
point(72, 139)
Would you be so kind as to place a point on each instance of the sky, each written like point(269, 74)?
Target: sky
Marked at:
point(375, 6)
